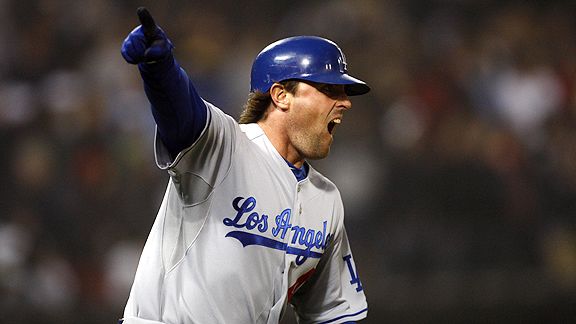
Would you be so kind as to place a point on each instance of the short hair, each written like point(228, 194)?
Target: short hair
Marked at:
point(257, 104)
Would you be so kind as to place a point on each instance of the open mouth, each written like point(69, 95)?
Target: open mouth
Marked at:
point(332, 125)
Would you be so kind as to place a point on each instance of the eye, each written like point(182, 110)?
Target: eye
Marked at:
point(333, 91)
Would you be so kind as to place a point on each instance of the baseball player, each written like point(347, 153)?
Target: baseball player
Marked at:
point(247, 226)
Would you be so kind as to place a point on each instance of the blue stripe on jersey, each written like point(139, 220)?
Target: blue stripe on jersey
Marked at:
point(253, 239)
point(344, 316)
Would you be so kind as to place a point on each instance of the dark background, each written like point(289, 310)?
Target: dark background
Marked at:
point(458, 170)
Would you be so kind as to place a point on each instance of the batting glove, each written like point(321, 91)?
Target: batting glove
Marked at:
point(147, 43)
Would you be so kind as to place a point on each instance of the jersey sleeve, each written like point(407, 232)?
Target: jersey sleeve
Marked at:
point(199, 168)
point(334, 294)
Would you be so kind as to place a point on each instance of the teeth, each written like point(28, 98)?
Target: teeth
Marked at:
point(337, 121)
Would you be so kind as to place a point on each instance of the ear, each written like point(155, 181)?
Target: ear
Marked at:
point(280, 97)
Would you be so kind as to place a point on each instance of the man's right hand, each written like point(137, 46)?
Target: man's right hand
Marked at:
point(147, 43)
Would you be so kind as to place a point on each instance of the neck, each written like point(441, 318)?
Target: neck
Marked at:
point(281, 142)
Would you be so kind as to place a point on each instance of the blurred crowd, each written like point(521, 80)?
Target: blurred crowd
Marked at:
point(458, 170)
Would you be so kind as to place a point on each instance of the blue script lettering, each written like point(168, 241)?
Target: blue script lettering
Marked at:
point(310, 238)
point(353, 276)
point(282, 223)
point(253, 220)
point(303, 239)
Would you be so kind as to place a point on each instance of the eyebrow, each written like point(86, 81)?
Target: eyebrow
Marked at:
point(331, 89)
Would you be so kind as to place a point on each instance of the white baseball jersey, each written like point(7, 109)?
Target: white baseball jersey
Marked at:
point(238, 238)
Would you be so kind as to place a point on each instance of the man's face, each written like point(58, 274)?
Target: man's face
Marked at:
point(316, 110)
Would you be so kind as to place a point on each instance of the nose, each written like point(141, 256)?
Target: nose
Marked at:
point(345, 103)
point(343, 99)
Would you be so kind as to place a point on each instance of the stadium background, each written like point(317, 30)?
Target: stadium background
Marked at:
point(458, 171)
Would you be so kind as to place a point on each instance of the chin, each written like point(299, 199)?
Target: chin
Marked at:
point(315, 148)
point(319, 154)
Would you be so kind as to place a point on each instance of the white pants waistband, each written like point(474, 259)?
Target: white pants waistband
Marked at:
point(136, 320)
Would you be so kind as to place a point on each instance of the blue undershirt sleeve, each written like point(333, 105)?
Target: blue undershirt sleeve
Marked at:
point(179, 112)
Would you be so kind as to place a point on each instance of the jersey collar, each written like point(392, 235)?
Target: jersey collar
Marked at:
point(299, 173)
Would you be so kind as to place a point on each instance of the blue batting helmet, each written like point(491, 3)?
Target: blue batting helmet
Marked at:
point(308, 58)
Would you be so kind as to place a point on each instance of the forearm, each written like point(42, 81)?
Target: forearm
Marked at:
point(179, 112)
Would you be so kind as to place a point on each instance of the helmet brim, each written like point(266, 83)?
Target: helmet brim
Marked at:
point(356, 88)
point(352, 85)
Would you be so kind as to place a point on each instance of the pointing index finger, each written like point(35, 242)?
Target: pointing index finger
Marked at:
point(147, 22)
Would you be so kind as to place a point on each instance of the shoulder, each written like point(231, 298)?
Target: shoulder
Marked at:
point(217, 113)
point(321, 182)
